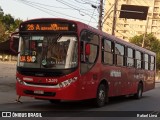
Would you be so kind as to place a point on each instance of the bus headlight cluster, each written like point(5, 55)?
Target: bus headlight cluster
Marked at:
point(67, 82)
point(20, 81)
point(60, 85)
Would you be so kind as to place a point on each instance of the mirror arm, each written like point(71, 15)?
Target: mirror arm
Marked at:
point(84, 49)
point(11, 42)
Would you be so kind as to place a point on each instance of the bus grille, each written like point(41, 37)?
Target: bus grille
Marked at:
point(38, 74)
point(44, 84)
point(30, 92)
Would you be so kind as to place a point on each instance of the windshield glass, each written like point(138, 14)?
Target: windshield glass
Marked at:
point(50, 52)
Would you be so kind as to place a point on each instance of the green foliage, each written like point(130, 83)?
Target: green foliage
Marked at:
point(150, 43)
point(8, 25)
point(2, 33)
point(7, 20)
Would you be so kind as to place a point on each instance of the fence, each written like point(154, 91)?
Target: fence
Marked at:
point(7, 57)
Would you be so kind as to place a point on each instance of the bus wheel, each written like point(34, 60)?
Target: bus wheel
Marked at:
point(55, 101)
point(138, 95)
point(101, 98)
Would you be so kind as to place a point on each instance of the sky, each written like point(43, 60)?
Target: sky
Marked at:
point(80, 10)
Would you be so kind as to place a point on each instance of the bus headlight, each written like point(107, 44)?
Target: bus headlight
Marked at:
point(20, 81)
point(67, 82)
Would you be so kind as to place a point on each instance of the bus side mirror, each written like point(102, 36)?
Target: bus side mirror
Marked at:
point(87, 49)
point(14, 42)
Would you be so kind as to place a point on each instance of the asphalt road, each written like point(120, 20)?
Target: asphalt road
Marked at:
point(119, 106)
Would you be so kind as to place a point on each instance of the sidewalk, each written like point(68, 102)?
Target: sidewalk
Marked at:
point(7, 72)
point(8, 83)
point(157, 81)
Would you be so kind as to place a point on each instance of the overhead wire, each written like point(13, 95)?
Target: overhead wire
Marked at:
point(111, 27)
point(48, 5)
point(92, 15)
point(107, 15)
point(43, 9)
point(72, 6)
point(86, 2)
point(69, 5)
point(119, 28)
point(22, 1)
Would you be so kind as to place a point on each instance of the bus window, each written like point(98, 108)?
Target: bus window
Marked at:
point(87, 61)
point(152, 63)
point(119, 51)
point(138, 57)
point(107, 52)
point(130, 60)
point(146, 61)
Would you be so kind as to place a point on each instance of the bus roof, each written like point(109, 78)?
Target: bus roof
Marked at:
point(121, 41)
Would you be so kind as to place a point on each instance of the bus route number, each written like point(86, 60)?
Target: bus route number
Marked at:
point(30, 27)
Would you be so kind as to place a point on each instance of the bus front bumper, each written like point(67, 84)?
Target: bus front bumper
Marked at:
point(63, 93)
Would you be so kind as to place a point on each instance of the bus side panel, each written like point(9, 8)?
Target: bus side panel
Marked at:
point(113, 76)
point(149, 80)
point(128, 81)
point(89, 82)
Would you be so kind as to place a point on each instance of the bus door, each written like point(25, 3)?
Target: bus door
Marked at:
point(89, 49)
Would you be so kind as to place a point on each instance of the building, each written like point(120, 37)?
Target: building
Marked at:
point(127, 28)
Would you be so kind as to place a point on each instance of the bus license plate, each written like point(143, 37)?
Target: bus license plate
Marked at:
point(39, 92)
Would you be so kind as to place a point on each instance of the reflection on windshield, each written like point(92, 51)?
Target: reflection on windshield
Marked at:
point(48, 52)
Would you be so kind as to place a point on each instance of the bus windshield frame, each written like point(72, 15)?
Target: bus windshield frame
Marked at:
point(48, 51)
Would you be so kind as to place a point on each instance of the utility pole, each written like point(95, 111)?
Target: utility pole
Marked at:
point(114, 17)
point(100, 15)
point(145, 32)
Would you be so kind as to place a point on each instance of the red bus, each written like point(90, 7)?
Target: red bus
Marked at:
point(62, 59)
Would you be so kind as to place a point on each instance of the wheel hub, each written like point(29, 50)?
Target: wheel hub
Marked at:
point(101, 95)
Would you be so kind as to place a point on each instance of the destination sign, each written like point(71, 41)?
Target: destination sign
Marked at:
point(27, 58)
point(48, 27)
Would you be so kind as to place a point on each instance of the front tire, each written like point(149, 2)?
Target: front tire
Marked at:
point(102, 96)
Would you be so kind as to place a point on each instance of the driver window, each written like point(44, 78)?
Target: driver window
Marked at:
point(93, 40)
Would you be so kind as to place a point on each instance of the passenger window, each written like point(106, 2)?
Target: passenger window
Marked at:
point(107, 52)
point(152, 63)
point(138, 57)
point(130, 57)
point(146, 61)
point(119, 51)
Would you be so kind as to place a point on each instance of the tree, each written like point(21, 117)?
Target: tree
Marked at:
point(2, 33)
point(150, 43)
point(8, 25)
point(1, 13)
point(17, 23)
point(8, 21)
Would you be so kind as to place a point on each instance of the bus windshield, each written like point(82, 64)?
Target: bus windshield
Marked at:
point(48, 51)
